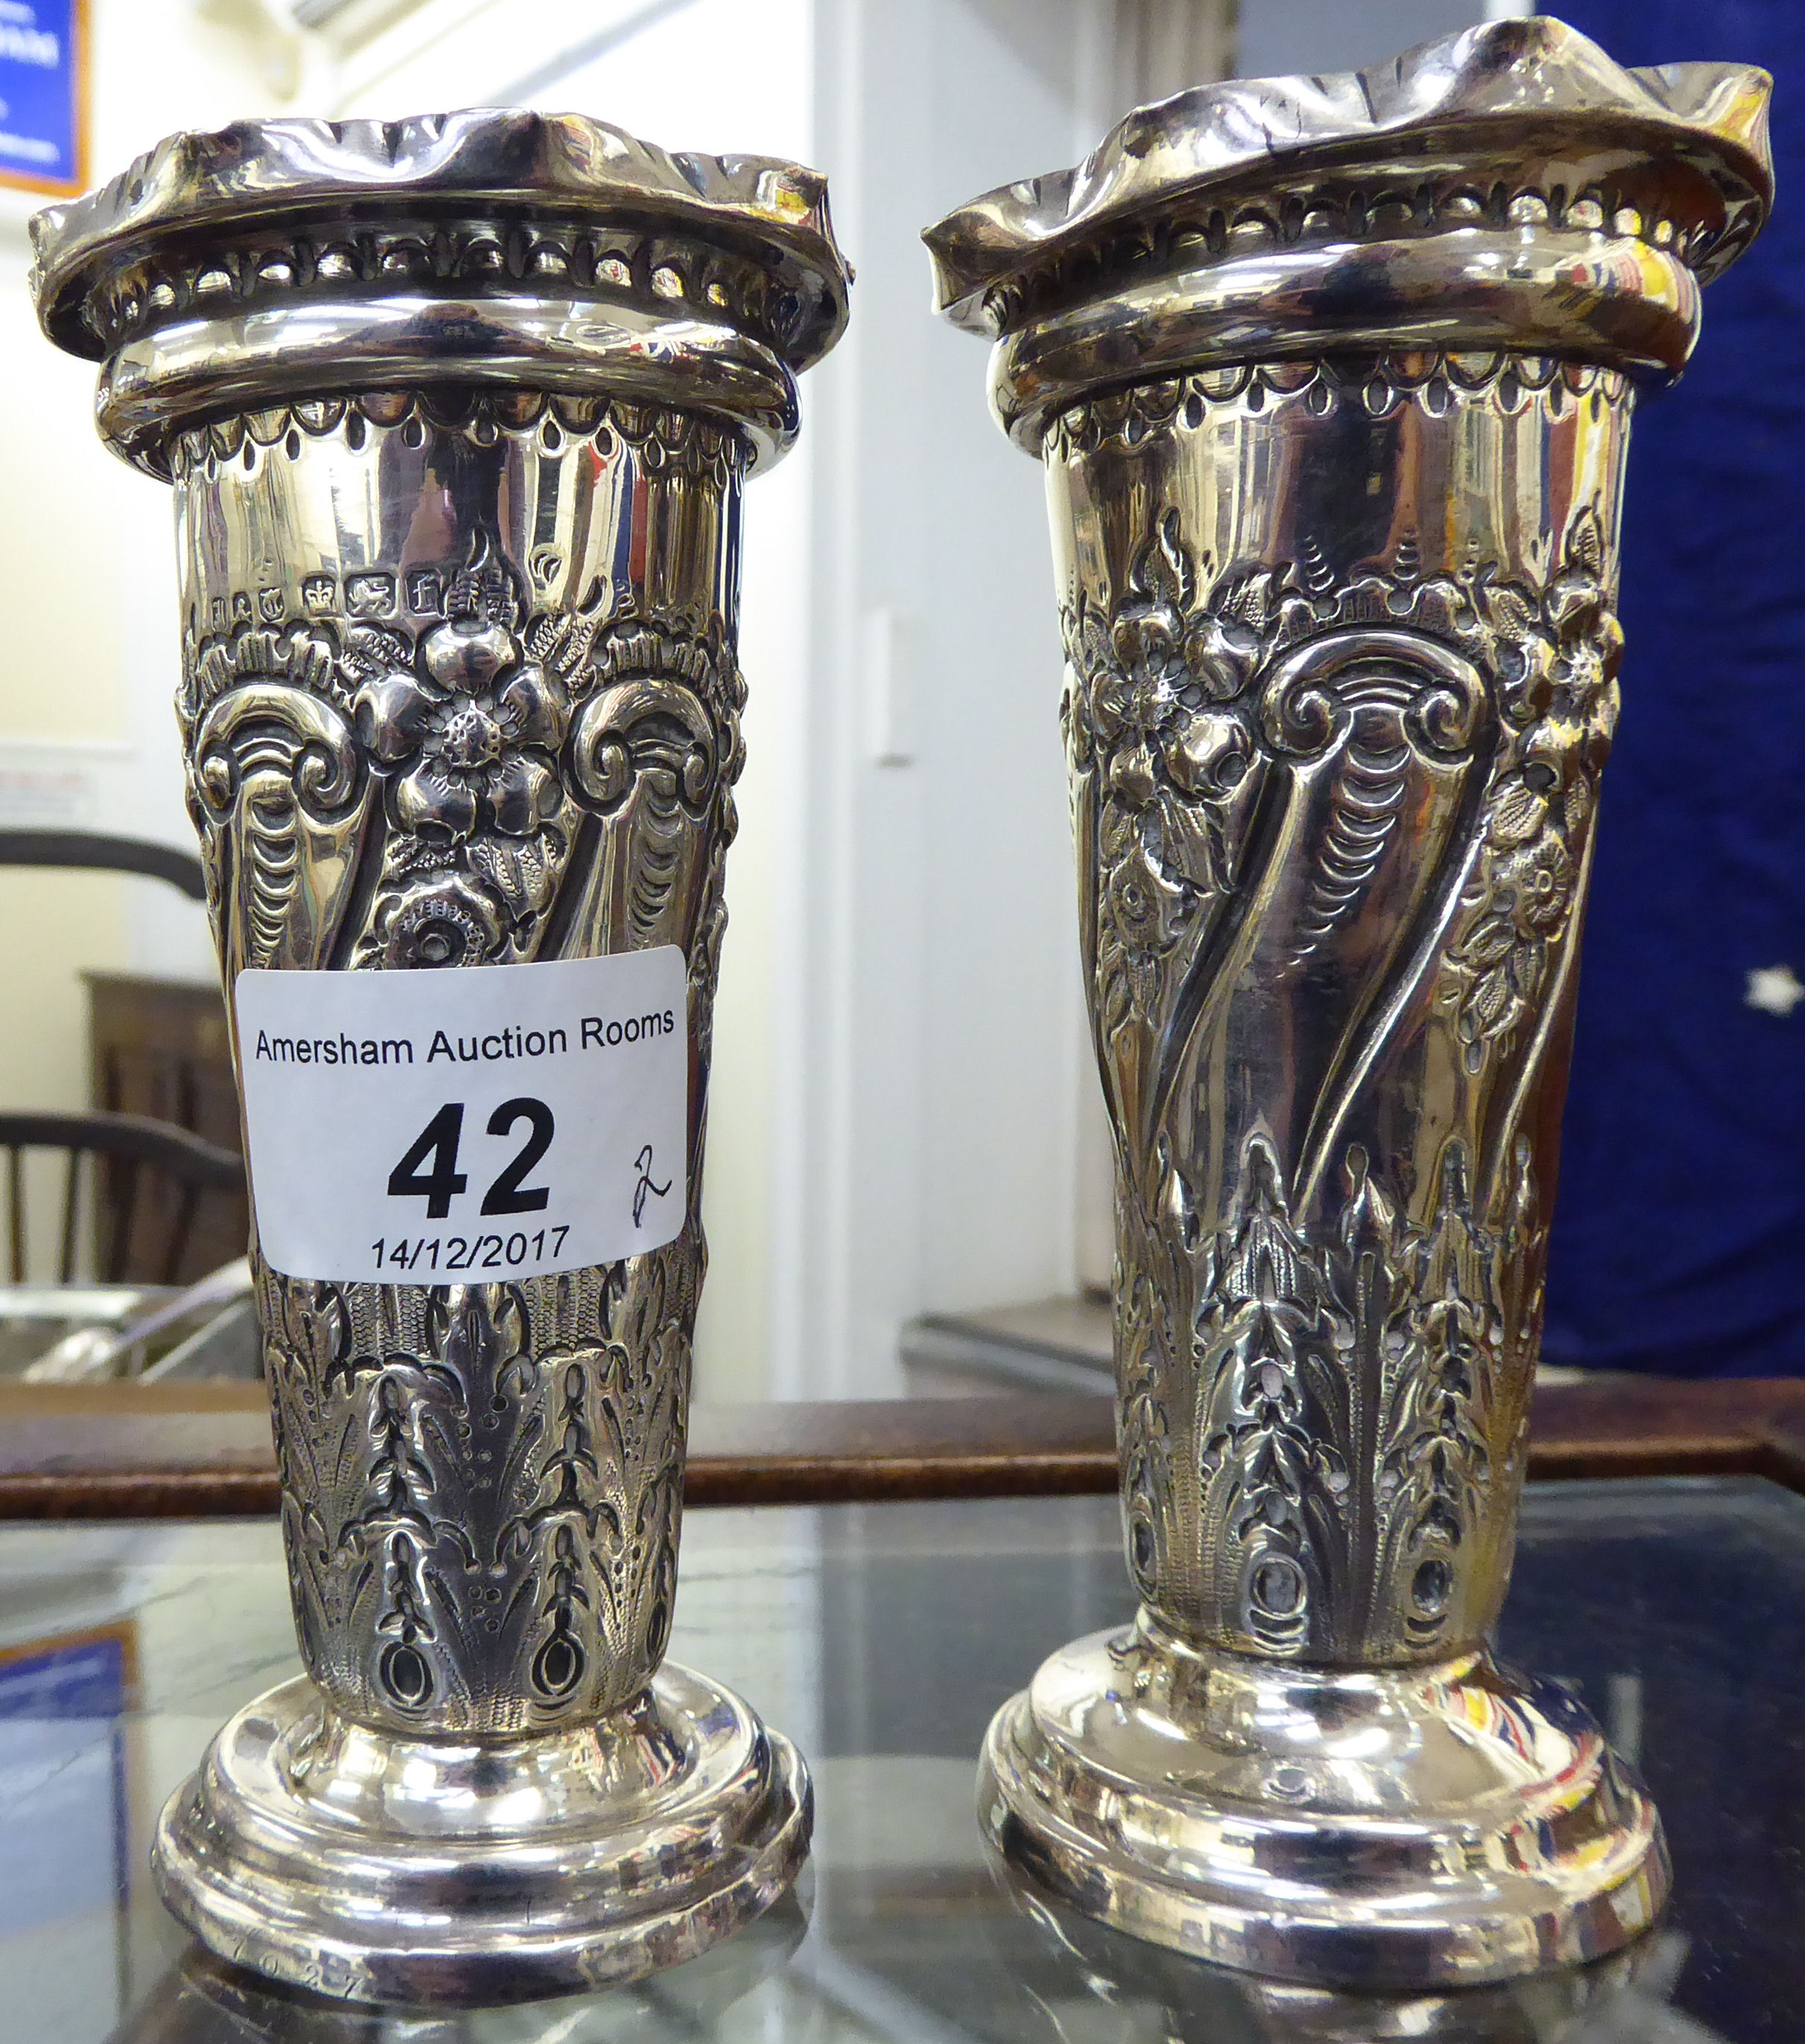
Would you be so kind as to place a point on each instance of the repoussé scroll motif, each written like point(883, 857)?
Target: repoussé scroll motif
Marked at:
point(1337, 1361)
point(429, 766)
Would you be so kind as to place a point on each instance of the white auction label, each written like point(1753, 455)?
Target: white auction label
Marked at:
point(461, 1127)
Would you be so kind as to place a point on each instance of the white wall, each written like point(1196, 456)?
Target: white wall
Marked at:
point(1278, 38)
point(86, 569)
point(937, 1039)
point(898, 1042)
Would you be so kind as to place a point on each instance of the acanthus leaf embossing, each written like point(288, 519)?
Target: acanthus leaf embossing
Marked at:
point(1345, 1381)
point(471, 761)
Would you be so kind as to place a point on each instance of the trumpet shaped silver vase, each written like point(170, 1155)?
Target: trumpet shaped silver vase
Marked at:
point(1332, 381)
point(457, 413)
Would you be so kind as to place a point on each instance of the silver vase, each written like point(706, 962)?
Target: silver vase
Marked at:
point(457, 412)
point(1332, 380)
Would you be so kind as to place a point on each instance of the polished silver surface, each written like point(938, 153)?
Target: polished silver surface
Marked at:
point(1342, 666)
point(363, 1864)
point(458, 688)
point(1368, 1826)
point(1614, 2000)
point(1506, 187)
point(281, 259)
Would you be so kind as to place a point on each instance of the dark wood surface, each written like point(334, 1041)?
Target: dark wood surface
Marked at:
point(203, 1449)
point(161, 1048)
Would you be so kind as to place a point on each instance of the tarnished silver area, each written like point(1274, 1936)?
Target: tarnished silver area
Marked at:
point(1341, 665)
point(1509, 187)
point(279, 259)
point(459, 688)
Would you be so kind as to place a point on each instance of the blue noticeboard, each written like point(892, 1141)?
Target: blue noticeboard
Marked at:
point(43, 95)
point(65, 1778)
point(1677, 1243)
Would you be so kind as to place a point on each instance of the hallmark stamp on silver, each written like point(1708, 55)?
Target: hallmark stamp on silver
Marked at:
point(433, 1127)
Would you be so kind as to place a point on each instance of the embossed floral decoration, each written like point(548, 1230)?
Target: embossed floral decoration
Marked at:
point(1345, 1377)
point(1557, 665)
point(1337, 1374)
point(471, 722)
point(1155, 709)
point(1266, 1344)
point(466, 724)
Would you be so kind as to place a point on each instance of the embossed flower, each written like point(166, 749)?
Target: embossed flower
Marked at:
point(1132, 706)
point(1224, 651)
point(1157, 681)
point(1530, 880)
point(1144, 906)
point(1160, 725)
point(1526, 674)
point(1535, 880)
point(1557, 665)
point(1210, 753)
point(1583, 711)
point(473, 725)
point(448, 922)
point(1588, 641)
point(1576, 605)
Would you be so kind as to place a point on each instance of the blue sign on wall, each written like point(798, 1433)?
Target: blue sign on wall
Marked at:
point(43, 89)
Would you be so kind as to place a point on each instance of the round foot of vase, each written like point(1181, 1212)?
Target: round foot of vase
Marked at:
point(382, 1869)
point(1392, 1828)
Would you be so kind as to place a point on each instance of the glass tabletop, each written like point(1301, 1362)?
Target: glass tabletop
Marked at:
point(881, 1638)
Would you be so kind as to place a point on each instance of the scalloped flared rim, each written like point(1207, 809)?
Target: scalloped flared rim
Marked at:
point(1528, 81)
point(270, 171)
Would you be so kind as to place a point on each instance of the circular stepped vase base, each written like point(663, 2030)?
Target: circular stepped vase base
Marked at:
point(379, 1868)
point(1387, 1828)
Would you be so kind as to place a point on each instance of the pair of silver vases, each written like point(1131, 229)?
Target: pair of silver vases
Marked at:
point(1332, 381)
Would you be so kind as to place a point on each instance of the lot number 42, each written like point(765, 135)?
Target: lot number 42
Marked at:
point(429, 1170)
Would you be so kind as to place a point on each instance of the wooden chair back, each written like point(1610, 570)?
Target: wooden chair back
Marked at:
point(151, 1176)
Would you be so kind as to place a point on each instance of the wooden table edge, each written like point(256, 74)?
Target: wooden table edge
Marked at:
point(118, 1451)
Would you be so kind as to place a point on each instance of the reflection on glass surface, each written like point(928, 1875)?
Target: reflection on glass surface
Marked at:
point(886, 1635)
point(1157, 1994)
point(201, 2000)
